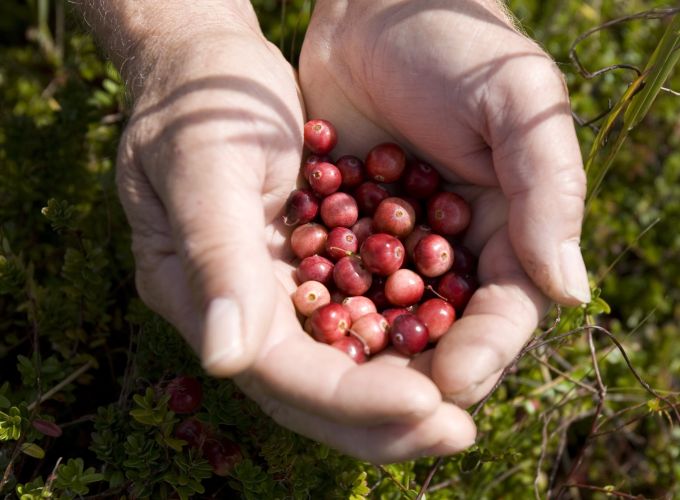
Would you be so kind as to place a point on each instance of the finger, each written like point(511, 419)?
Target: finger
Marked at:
point(538, 162)
point(446, 431)
point(500, 317)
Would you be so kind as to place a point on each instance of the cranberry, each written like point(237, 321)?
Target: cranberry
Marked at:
point(309, 296)
point(385, 162)
point(339, 209)
point(363, 229)
point(341, 242)
point(351, 277)
point(325, 178)
point(382, 253)
point(393, 313)
point(457, 289)
point(418, 233)
point(464, 261)
point(433, 256)
point(301, 207)
point(46, 427)
point(437, 315)
point(320, 136)
point(311, 161)
point(337, 296)
point(330, 323)
point(308, 239)
point(448, 213)
point(192, 431)
point(377, 293)
point(404, 288)
point(394, 216)
point(417, 206)
point(358, 306)
point(186, 394)
point(315, 268)
point(353, 347)
point(421, 180)
point(408, 334)
point(368, 196)
point(307, 327)
point(223, 455)
point(372, 328)
point(352, 170)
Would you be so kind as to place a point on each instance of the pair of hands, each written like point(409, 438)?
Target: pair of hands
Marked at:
point(214, 148)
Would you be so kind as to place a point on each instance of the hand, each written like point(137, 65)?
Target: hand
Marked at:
point(459, 86)
point(211, 153)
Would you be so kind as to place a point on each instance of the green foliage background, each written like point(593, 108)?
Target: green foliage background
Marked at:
point(69, 317)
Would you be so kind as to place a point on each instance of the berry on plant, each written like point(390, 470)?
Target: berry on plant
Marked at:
point(222, 454)
point(186, 394)
point(192, 431)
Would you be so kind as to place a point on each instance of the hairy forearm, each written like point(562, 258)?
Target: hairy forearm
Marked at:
point(137, 33)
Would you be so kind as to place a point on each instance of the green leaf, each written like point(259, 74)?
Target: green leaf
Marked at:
point(32, 450)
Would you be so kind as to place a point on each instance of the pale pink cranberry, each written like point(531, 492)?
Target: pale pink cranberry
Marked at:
point(457, 289)
point(358, 306)
point(368, 196)
point(324, 179)
point(339, 210)
point(301, 207)
point(394, 216)
point(418, 233)
point(448, 213)
point(351, 277)
point(315, 268)
point(391, 314)
point(385, 162)
point(437, 315)
point(352, 170)
point(352, 347)
point(373, 329)
point(340, 243)
point(382, 253)
point(404, 288)
point(310, 296)
point(308, 239)
point(363, 229)
point(320, 136)
point(408, 334)
point(421, 180)
point(433, 256)
point(330, 323)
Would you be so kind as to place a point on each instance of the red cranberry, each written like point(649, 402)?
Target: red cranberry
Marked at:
point(308, 239)
point(341, 242)
point(377, 293)
point(421, 180)
point(368, 196)
point(310, 163)
point(309, 296)
point(437, 315)
point(433, 256)
point(339, 209)
point(417, 206)
point(464, 261)
point(385, 162)
point(382, 253)
point(186, 394)
point(350, 276)
point(358, 306)
point(448, 213)
point(393, 313)
point(46, 427)
point(320, 136)
point(404, 288)
point(315, 268)
point(363, 229)
point(353, 347)
point(372, 328)
point(394, 216)
point(192, 431)
point(418, 233)
point(302, 207)
point(457, 289)
point(408, 334)
point(325, 178)
point(223, 455)
point(330, 323)
point(352, 170)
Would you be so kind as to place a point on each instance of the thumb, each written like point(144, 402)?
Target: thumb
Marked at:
point(539, 167)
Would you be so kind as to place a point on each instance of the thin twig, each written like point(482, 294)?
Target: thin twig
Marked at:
point(62, 384)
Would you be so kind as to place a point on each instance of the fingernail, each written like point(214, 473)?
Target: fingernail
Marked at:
point(223, 342)
point(574, 275)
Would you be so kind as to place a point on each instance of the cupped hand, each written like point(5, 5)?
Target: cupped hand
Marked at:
point(205, 166)
point(459, 86)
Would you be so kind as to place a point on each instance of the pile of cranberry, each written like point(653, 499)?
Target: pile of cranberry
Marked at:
point(370, 272)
